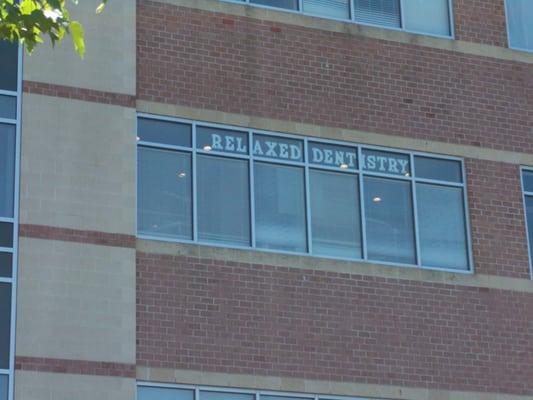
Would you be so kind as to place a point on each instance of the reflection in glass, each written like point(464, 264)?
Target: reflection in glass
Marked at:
point(428, 16)
point(164, 132)
point(8, 66)
point(442, 230)
point(529, 218)
point(527, 179)
point(519, 17)
point(7, 169)
point(438, 169)
point(155, 393)
point(279, 207)
point(223, 200)
point(6, 234)
point(6, 264)
point(164, 193)
point(335, 214)
point(208, 395)
point(389, 220)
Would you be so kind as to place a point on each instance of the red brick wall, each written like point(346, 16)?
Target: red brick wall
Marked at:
point(264, 320)
point(241, 65)
point(499, 243)
point(481, 21)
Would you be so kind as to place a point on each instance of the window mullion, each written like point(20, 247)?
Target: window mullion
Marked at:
point(194, 191)
point(362, 205)
point(402, 20)
point(251, 188)
point(415, 211)
point(308, 200)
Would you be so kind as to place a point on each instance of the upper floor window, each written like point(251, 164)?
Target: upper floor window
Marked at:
point(420, 16)
point(244, 188)
point(8, 66)
point(527, 184)
point(519, 24)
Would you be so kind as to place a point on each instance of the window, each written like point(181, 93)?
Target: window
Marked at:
point(210, 184)
point(527, 185)
point(431, 17)
point(519, 26)
point(147, 391)
point(9, 122)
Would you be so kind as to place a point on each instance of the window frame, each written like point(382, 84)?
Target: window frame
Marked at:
point(508, 31)
point(257, 393)
point(10, 372)
point(351, 19)
point(307, 166)
point(529, 229)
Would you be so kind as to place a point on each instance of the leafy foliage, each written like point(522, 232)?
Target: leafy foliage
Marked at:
point(30, 21)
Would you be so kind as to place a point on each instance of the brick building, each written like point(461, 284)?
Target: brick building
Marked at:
point(271, 200)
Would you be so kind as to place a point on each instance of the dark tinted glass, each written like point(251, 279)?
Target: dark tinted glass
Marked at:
point(3, 387)
point(164, 132)
point(529, 220)
point(5, 324)
point(528, 181)
point(205, 395)
point(439, 169)
point(6, 261)
point(155, 393)
point(288, 4)
point(8, 107)
point(6, 234)
point(7, 169)
point(8, 66)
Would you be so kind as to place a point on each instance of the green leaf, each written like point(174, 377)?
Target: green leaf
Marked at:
point(76, 31)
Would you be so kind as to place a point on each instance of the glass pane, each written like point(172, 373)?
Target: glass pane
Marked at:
point(223, 200)
point(8, 66)
point(7, 169)
point(378, 12)
point(527, 177)
point(519, 17)
point(288, 4)
point(155, 393)
point(4, 382)
point(439, 169)
point(6, 265)
point(164, 193)
point(6, 234)
point(385, 162)
point(327, 8)
point(529, 218)
point(165, 132)
point(441, 223)
point(279, 207)
point(389, 220)
point(205, 395)
point(427, 16)
point(278, 148)
point(336, 224)
point(263, 397)
point(213, 139)
point(331, 155)
point(8, 107)
point(5, 324)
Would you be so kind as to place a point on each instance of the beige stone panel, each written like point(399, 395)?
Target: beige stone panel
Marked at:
point(310, 386)
point(414, 273)
point(78, 165)
point(30, 385)
point(354, 29)
point(110, 60)
point(348, 135)
point(75, 301)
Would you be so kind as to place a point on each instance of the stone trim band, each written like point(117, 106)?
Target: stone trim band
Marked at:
point(79, 367)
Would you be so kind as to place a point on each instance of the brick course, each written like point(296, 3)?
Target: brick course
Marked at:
point(241, 65)
point(258, 319)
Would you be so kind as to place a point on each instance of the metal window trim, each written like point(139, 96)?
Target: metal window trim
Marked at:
point(529, 230)
point(352, 18)
point(257, 393)
point(306, 165)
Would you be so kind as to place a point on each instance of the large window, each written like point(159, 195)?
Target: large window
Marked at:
point(527, 184)
point(148, 391)
point(9, 123)
point(420, 16)
point(519, 24)
point(242, 188)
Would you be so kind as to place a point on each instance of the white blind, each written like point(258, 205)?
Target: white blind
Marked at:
point(327, 8)
point(378, 12)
